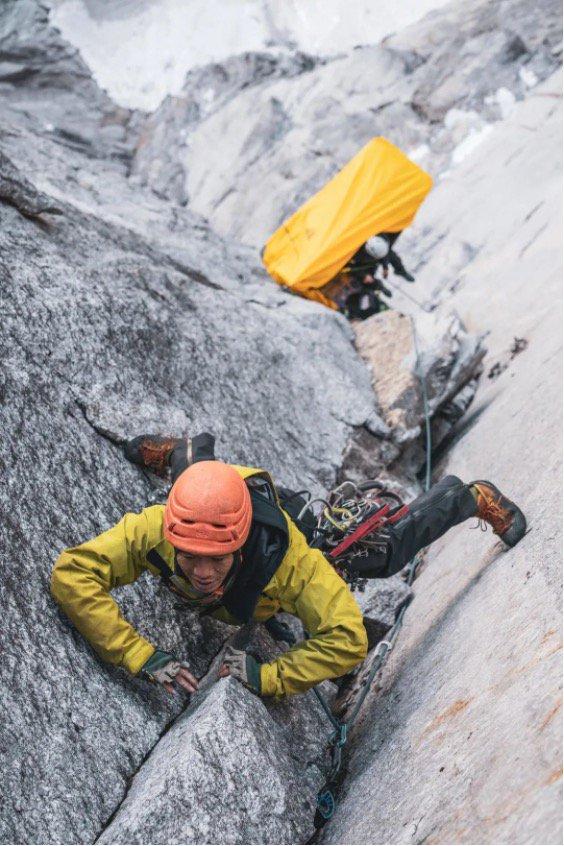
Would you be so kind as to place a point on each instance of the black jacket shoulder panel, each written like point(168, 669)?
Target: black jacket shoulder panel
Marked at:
point(262, 554)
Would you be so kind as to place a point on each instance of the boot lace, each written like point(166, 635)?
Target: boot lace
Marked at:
point(493, 513)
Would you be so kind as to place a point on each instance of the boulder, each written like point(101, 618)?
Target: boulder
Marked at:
point(232, 769)
point(221, 774)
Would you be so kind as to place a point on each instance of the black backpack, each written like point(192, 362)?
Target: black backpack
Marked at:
point(293, 503)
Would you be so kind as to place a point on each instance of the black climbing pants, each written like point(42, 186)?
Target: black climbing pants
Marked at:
point(363, 303)
point(199, 448)
point(397, 265)
point(446, 504)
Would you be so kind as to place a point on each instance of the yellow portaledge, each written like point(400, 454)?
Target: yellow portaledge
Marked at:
point(379, 190)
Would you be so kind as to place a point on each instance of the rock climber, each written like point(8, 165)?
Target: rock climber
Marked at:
point(224, 543)
point(379, 247)
point(360, 297)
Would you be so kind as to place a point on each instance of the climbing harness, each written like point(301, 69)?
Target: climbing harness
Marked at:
point(387, 281)
point(351, 526)
point(351, 519)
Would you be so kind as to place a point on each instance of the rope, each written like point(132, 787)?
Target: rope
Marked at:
point(326, 802)
point(403, 292)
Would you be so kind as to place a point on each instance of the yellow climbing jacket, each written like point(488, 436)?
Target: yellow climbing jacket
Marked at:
point(304, 584)
point(379, 190)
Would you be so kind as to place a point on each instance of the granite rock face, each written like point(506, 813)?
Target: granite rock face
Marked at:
point(207, 91)
point(121, 313)
point(220, 775)
point(104, 338)
point(380, 601)
point(461, 740)
point(45, 81)
point(403, 354)
point(241, 769)
point(124, 311)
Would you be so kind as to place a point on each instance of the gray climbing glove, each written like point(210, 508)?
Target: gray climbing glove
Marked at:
point(163, 668)
point(242, 666)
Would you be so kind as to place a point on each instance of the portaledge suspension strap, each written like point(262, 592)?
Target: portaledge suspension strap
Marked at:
point(326, 797)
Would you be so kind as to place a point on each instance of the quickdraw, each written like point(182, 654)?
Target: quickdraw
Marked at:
point(373, 524)
point(350, 523)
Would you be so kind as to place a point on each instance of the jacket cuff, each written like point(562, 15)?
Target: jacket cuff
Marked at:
point(268, 679)
point(137, 656)
point(252, 668)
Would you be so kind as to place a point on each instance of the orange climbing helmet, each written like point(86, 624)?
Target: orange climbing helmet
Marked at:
point(208, 511)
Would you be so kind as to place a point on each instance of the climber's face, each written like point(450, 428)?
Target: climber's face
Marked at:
point(205, 572)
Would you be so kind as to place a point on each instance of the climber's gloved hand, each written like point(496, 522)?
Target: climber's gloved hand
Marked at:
point(242, 666)
point(163, 668)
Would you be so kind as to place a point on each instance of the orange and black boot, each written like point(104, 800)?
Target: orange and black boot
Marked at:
point(151, 452)
point(505, 518)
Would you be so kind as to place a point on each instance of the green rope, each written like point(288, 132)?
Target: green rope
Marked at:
point(326, 798)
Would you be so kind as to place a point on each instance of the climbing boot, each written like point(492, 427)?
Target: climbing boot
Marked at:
point(505, 518)
point(151, 452)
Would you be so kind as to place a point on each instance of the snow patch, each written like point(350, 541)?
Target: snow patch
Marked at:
point(139, 51)
point(465, 130)
point(504, 99)
point(419, 154)
point(144, 54)
point(528, 77)
point(472, 140)
point(460, 122)
point(328, 26)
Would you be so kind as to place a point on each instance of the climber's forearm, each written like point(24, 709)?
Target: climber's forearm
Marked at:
point(96, 615)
